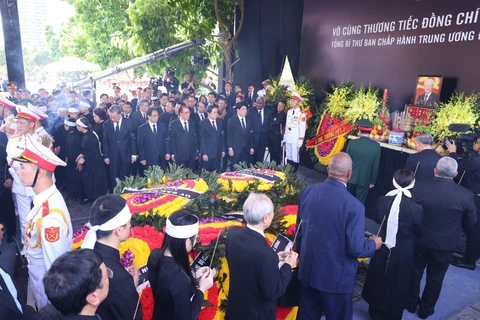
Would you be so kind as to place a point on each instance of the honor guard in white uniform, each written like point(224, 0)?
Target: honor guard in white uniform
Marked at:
point(48, 232)
point(295, 131)
point(266, 86)
point(22, 196)
point(9, 125)
point(40, 131)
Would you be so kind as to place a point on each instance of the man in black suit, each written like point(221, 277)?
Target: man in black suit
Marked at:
point(138, 97)
point(162, 108)
point(251, 96)
point(10, 306)
point(240, 136)
point(275, 134)
point(183, 139)
point(151, 141)
point(229, 94)
point(211, 98)
point(429, 98)
point(445, 205)
point(256, 280)
point(119, 145)
point(169, 114)
point(212, 140)
point(201, 113)
point(140, 117)
point(261, 119)
point(469, 169)
point(424, 162)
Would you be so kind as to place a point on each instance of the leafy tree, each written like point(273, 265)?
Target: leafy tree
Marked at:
point(112, 31)
point(53, 42)
point(88, 33)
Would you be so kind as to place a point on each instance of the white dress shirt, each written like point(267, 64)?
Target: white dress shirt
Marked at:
point(256, 230)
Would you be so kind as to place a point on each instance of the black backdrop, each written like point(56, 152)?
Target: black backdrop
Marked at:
point(272, 30)
point(393, 67)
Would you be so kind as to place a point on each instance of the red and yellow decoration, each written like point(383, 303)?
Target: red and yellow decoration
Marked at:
point(169, 197)
point(330, 138)
point(239, 181)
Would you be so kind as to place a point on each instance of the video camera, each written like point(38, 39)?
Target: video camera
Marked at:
point(467, 138)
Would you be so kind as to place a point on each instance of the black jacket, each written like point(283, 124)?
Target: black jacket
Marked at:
point(445, 206)
point(138, 119)
point(260, 130)
point(124, 142)
point(151, 146)
point(256, 282)
point(122, 297)
point(237, 138)
point(426, 160)
point(8, 307)
point(183, 145)
point(212, 142)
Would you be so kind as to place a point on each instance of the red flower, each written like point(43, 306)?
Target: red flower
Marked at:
point(147, 303)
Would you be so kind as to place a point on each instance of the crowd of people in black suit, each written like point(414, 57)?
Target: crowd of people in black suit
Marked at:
point(421, 221)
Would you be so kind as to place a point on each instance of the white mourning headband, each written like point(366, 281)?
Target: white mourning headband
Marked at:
point(69, 123)
point(81, 124)
point(181, 232)
point(119, 220)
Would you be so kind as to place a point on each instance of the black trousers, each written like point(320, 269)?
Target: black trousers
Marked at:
point(314, 303)
point(213, 164)
point(239, 156)
point(472, 251)
point(7, 211)
point(377, 314)
point(436, 262)
point(275, 147)
point(118, 169)
point(190, 163)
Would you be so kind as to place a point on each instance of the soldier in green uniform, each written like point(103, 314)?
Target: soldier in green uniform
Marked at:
point(365, 154)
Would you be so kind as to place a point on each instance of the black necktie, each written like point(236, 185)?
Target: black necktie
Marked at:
point(185, 126)
point(260, 115)
point(117, 127)
point(213, 124)
point(293, 112)
point(201, 117)
point(155, 129)
point(243, 124)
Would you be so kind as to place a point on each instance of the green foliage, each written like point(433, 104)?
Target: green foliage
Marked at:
point(88, 34)
point(109, 32)
point(131, 182)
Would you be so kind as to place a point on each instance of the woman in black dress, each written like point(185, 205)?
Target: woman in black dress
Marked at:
point(177, 291)
point(73, 172)
point(93, 173)
point(99, 116)
point(388, 277)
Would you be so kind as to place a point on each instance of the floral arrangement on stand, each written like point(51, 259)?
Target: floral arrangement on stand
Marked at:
point(150, 207)
point(280, 92)
point(459, 109)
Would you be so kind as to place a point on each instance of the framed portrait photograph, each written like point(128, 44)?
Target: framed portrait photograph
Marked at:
point(428, 91)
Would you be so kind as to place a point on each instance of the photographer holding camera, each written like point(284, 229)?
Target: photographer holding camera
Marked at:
point(469, 172)
point(171, 82)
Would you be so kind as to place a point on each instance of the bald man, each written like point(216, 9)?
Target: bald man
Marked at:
point(330, 239)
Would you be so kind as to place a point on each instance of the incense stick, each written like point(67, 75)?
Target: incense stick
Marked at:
point(381, 225)
point(215, 249)
point(461, 178)
point(296, 233)
point(416, 168)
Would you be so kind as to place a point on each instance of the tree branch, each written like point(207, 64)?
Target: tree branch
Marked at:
point(219, 18)
point(216, 74)
point(242, 10)
point(203, 85)
point(234, 62)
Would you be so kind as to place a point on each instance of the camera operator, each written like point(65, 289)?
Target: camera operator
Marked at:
point(469, 169)
point(171, 82)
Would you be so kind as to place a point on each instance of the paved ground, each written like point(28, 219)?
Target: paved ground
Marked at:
point(459, 300)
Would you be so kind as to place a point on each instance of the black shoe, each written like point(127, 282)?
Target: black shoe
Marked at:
point(424, 315)
point(455, 259)
point(463, 264)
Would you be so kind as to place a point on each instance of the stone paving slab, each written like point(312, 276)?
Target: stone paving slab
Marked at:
point(466, 314)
